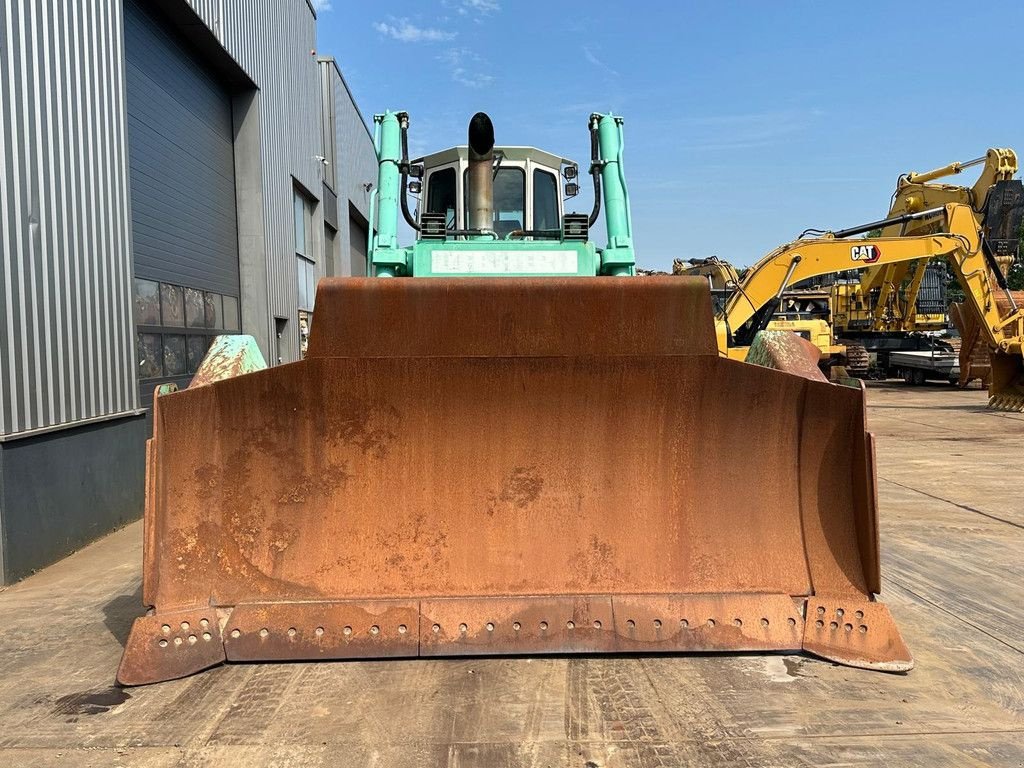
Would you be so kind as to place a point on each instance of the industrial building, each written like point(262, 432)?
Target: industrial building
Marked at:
point(170, 170)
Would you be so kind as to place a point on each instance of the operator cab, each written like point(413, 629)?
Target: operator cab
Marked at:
point(527, 194)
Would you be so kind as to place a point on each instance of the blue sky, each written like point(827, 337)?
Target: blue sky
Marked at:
point(746, 123)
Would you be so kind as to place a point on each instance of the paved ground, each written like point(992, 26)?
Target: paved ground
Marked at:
point(953, 540)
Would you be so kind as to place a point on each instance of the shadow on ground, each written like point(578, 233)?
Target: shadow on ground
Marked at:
point(120, 612)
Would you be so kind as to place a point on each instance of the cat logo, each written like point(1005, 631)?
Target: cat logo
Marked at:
point(868, 254)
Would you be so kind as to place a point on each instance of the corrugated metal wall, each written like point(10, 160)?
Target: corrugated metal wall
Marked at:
point(357, 160)
point(65, 322)
point(275, 43)
point(353, 168)
point(67, 349)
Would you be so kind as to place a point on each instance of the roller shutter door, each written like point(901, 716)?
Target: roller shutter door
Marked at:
point(184, 225)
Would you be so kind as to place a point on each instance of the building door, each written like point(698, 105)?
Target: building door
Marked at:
point(184, 224)
point(357, 233)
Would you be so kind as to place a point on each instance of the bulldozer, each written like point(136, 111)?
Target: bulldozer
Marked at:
point(505, 442)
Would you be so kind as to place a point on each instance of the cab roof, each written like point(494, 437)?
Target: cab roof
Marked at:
point(461, 152)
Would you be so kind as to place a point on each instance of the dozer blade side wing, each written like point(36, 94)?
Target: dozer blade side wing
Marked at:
point(515, 466)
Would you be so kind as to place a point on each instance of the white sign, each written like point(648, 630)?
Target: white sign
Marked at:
point(504, 262)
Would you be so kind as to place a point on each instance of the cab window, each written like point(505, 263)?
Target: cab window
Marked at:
point(545, 200)
point(509, 200)
point(441, 195)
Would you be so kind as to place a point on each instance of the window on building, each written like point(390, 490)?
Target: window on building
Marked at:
point(305, 278)
point(195, 308)
point(305, 262)
point(172, 305)
point(174, 355)
point(545, 200)
point(176, 325)
point(231, 319)
point(303, 211)
point(147, 302)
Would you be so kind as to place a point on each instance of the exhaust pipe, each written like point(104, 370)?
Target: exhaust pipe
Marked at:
point(481, 177)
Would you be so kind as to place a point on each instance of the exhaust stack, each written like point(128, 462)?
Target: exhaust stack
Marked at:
point(481, 178)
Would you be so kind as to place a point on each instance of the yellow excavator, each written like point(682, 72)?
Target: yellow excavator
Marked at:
point(877, 312)
point(954, 235)
point(881, 310)
point(504, 442)
point(805, 313)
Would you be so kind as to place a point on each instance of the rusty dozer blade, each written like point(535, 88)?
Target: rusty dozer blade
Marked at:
point(509, 466)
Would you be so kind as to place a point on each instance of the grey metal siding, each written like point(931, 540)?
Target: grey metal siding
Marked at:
point(65, 320)
point(357, 159)
point(184, 225)
point(275, 43)
point(353, 164)
point(46, 512)
point(67, 342)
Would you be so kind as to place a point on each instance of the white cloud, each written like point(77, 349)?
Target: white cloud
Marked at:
point(404, 31)
point(321, 5)
point(483, 7)
point(589, 56)
point(471, 79)
point(465, 68)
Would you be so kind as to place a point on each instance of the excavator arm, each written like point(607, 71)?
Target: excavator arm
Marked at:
point(751, 306)
point(749, 309)
point(720, 274)
point(896, 309)
point(917, 191)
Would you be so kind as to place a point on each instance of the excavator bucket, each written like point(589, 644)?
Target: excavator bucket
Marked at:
point(1001, 372)
point(1006, 386)
point(509, 466)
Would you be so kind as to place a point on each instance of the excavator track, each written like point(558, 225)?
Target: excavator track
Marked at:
point(856, 359)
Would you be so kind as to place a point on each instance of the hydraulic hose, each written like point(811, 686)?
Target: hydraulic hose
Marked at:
point(404, 165)
point(595, 170)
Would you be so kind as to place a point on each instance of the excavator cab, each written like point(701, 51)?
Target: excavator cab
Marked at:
point(506, 443)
